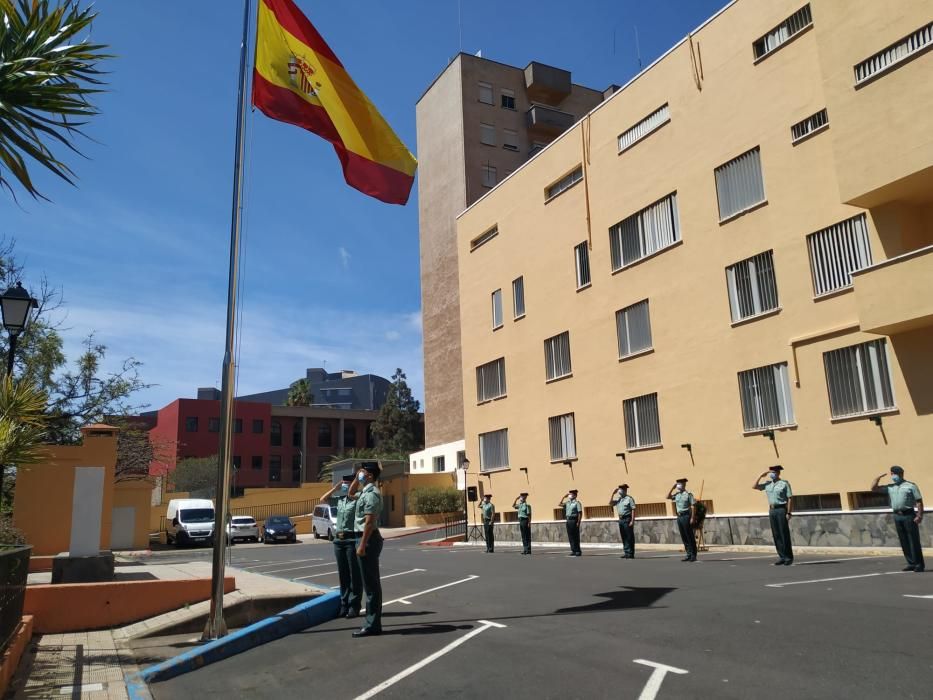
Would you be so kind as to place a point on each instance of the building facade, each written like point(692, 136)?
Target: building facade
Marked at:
point(726, 265)
point(476, 123)
point(344, 389)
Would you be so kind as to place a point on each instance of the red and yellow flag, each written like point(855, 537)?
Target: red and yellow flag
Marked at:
point(298, 79)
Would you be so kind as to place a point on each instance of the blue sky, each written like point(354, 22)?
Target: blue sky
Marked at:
point(331, 277)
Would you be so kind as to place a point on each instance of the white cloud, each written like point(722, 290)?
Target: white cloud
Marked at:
point(393, 335)
point(344, 257)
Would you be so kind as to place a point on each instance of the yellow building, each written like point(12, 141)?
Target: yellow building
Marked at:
point(726, 265)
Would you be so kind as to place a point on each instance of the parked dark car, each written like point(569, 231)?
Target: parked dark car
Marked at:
point(278, 528)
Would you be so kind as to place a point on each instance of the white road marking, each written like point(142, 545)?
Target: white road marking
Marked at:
point(405, 599)
point(770, 556)
point(326, 573)
point(650, 691)
point(824, 580)
point(484, 625)
point(907, 595)
point(411, 571)
point(296, 568)
point(832, 561)
point(80, 689)
point(279, 563)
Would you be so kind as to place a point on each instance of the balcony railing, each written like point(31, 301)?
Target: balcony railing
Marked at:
point(547, 122)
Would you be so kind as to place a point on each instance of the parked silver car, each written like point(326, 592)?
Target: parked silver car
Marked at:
point(243, 527)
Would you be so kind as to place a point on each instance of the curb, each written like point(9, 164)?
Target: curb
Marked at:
point(715, 548)
point(416, 532)
point(295, 619)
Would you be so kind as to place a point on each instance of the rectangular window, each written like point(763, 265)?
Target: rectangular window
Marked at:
point(536, 146)
point(642, 426)
point(836, 252)
point(485, 237)
point(296, 468)
point(581, 255)
point(809, 126)
point(510, 140)
point(296, 434)
point(487, 134)
point(213, 425)
point(646, 126)
point(497, 309)
point(518, 297)
point(494, 449)
point(646, 232)
point(784, 32)
point(633, 328)
point(489, 176)
point(237, 425)
point(862, 500)
point(896, 54)
point(485, 93)
point(507, 98)
point(490, 380)
point(324, 435)
point(438, 463)
point(817, 501)
point(257, 426)
point(752, 286)
point(191, 424)
point(256, 462)
point(565, 183)
point(275, 433)
point(275, 468)
point(739, 184)
point(858, 379)
point(557, 356)
point(563, 437)
point(765, 396)
point(237, 462)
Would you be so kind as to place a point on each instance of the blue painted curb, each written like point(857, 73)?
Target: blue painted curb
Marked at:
point(308, 614)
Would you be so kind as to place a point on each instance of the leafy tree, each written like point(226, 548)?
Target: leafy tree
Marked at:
point(47, 76)
point(137, 449)
point(22, 426)
point(194, 474)
point(429, 500)
point(299, 394)
point(398, 427)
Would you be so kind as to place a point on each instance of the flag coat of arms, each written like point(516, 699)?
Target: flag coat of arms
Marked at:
point(298, 79)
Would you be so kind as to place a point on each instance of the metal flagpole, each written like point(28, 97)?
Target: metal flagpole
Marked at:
point(216, 627)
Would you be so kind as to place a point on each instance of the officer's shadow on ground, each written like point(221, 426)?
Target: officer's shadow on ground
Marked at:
point(628, 597)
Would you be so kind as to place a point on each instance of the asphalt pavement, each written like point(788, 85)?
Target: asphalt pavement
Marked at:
point(462, 623)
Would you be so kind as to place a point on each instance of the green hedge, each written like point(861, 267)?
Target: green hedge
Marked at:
point(428, 500)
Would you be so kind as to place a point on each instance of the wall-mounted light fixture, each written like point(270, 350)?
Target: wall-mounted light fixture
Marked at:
point(687, 446)
point(768, 434)
point(876, 420)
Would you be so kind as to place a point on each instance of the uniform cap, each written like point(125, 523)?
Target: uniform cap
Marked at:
point(348, 478)
point(776, 468)
point(572, 491)
point(487, 495)
point(623, 486)
point(681, 481)
point(524, 493)
point(372, 468)
point(897, 470)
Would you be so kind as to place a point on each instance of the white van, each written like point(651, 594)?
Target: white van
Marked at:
point(324, 521)
point(189, 521)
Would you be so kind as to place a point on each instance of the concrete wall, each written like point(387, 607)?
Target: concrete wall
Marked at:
point(423, 462)
point(136, 494)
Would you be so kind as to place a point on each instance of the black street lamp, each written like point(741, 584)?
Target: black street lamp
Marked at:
point(15, 305)
point(465, 466)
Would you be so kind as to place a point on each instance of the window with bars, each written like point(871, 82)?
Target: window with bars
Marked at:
point(437, 463)
point(510, 140)
point(497, 309)
point(490, 380)
point(895, 54)
point(836, 252)
point(484, 238)
point(858, 379)
point(646, 232)
point(633, 328)
point(485, 93)
point(739, 184)
point(642, 425)
point(507, 98)
point(557, 356)
point(765, 396)
point(518, 297)
point(646, 126)
point(809, 126)
point(752, 286)
point(581, 255)
point(275, 433)
point(494, 449)
point(563, 437)
point(817, 501)
point(565, 183)
point(784, 32)
point(490, 176)
point(487, 134)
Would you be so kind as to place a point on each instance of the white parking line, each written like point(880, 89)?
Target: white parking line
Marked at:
point(279, 563)
point(484, 625)
point(833, 561)
point(296, 568)
point(907, 595)
point(383, 578)
point(405, 600)
point(770, 556)
point(825, 580)
point(326, 573)
point(650, 691)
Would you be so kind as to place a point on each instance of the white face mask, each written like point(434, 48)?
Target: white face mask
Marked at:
point(772, 476)
point(680, 487)
point(361, 477)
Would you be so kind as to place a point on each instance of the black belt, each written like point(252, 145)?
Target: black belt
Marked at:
point(784, 507)
point(573, 517)
point(683, 512)
point(905, 511)
point(345, 535)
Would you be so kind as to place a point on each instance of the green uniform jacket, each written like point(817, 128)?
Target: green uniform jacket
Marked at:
point(489, 512)
point(369, 503)
point(778, 492)
point(346, 514)
point(903, 495)
point(572, 508)
point(682, 501)
point(524, 511)
point(625, 506)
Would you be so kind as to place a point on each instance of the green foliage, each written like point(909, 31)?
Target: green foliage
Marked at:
point(299, 394)
point(428, 500)
point(22, 429)
point(9, 535)
point(194, 474)
point(398, 427)
point(47, 75)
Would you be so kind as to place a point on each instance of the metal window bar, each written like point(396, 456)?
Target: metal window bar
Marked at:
point(518, 297)
point(564, 183)
point(739, 184)
point(782, 33)
point(765, 397)
point(490, 380)
point(752, 286)
point(807, 126)
point(646, 126)
point(582, 258)
point(655, 227)
point(633, 328)
point(642, 426)
point(858, 379)
point(494, 449)
point(836, 252)
point(817, 501)
point(895, 53)
point(562, 437)
point(557, 355)
point(497, 308)
point(483, 238)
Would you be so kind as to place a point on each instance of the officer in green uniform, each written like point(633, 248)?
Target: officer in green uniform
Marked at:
point(625, 508)
point(779, 496)
point(685, 505)
point(573, 512)
point(348, 568)
point(907, 504)
point(489, 518)
point(369, 544)
point(523, 510)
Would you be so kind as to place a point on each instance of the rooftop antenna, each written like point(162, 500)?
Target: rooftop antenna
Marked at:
point(637, 48)
point(460, 22)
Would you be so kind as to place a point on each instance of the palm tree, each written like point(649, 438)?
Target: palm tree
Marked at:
point(22, 424)
point(47, 75)
point(299, 394)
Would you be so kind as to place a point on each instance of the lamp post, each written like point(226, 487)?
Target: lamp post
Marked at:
point(465, 466)
point(15, 305)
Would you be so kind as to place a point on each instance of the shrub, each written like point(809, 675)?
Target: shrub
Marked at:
point(9, 535)
point(428, 500)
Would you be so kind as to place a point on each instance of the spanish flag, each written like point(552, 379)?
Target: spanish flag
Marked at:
point(298, 79)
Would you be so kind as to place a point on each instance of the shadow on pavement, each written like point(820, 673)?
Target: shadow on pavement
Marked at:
point(620, 600)
point(427, 629)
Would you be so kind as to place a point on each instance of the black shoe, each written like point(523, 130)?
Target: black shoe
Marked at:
point(788, 562)
point(909, 567)
point(687, 558)
point(350, 614)
point(367, 632)
point(578, 554)
point(779, 562)
point(693, 558)
point(918, 569)
point(342, 613)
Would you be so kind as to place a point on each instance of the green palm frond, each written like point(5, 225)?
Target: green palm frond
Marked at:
point(47, 76)
point(22, 422)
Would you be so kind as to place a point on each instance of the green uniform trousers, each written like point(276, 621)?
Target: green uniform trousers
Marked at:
point(780, 531)
point(351, 577)
point(372, 584)
point(908, 533)
point(686, 534)
point(524, 526)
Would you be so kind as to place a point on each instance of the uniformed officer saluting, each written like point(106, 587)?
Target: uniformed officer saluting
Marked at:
point(685, 505)
point(625, 507)
point(489, 518)
point(369, 544)
point(907, 504)
point(348, 568)
point(573, 512)
point(523, 510)
point(779, 511)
